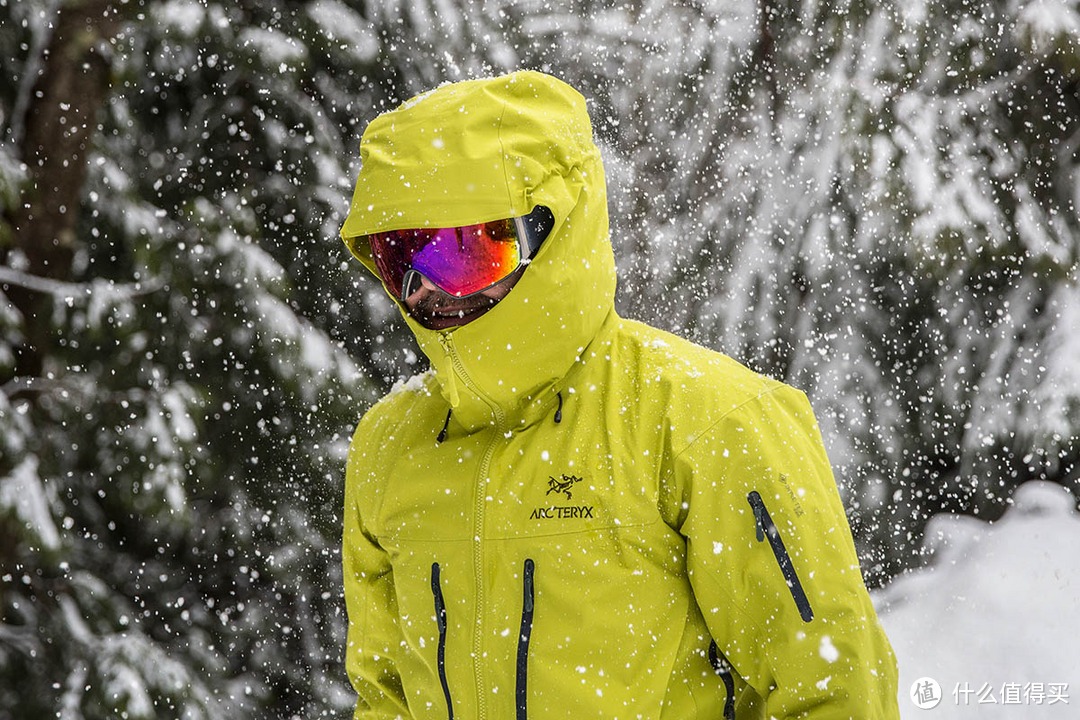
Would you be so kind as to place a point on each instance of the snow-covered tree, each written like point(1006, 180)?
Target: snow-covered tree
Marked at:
point(874, 201)
point(174, 427)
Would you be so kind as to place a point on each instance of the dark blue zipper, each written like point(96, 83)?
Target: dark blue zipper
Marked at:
point(765, 527)
point(440, 618)
point(723, 669)
point(523, 641)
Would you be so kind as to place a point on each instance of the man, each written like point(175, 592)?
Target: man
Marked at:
point(574, 515)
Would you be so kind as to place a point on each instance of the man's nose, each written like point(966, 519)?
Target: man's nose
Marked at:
point(419, 290)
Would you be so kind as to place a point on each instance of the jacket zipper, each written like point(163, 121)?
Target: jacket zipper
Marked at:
point(723, 669)
point(523, 641)
point(765, 527)
point(440, 619)
point(478, 524)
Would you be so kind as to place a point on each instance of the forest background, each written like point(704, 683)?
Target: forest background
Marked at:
point(874, 201)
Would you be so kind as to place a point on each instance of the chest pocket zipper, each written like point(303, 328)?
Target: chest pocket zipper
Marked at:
point(723, 669)
point(440, 619)
point(766, 528)
point(523, 641)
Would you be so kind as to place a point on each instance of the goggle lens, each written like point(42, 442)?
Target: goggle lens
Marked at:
point(461, 260)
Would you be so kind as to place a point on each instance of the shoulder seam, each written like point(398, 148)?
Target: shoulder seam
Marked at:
point(723, 417)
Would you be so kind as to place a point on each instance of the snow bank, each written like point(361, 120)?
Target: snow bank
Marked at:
point(997, 613)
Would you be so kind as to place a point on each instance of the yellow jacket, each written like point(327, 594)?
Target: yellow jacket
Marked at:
point(614, 523)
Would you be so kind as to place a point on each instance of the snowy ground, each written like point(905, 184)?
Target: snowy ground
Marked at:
point(996, 613)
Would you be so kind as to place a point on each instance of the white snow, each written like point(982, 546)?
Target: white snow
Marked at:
point(184, 16)
point(340, 22)
point(22, 491)
point(997, 607)
point(827, 650)
point(1043, 23)
point(1049, 413)
point(273, 47)
point(175, 401)
point(416, 383)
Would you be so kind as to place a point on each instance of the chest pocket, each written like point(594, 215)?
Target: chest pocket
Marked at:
point(568, 483)
point(547, 480)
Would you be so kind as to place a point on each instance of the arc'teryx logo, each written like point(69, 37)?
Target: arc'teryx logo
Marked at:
point(562, 486)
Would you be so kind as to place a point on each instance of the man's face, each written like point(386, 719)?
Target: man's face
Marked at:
point(435, 309)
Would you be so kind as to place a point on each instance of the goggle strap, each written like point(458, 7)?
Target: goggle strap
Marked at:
point(525, 248)
point(534, 228)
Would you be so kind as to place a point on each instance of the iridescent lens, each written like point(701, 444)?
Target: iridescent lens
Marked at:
point(392, 254)
point(459, 260)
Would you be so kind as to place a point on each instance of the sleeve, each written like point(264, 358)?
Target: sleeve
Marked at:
point(773, 566)
point(373, 635)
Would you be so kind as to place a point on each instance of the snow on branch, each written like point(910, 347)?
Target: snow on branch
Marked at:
point(60, 288)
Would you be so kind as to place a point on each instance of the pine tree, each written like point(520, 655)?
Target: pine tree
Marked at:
point(871, 201)
point(175, 429)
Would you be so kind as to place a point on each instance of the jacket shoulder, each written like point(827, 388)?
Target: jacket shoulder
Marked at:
point(403, 401)
point(692, 386)
point(385, 426)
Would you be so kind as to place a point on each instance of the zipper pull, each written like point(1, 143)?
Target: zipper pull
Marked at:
point(451, 382)
point(759, 514)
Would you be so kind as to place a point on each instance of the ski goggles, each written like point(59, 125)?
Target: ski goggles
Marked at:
point(461, 261)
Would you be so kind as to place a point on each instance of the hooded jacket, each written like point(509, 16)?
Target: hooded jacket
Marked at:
point(575, 515)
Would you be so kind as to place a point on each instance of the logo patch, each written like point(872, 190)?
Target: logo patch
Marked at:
point(562, 485)
point(562, 512)
point(794, 500)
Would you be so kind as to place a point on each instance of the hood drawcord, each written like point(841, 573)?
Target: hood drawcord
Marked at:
point(442, 433)
point(558, 412)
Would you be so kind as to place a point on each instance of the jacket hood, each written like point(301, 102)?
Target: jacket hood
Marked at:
point(481, 150)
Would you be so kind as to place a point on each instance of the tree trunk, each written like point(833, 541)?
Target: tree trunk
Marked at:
point(60, 123)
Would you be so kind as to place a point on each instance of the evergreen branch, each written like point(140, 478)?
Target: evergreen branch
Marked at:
point(61, 288)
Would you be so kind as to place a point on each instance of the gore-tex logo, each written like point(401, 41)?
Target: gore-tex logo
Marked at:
point(562, 485)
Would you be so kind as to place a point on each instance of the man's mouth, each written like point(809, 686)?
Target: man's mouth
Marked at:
point(449, 317)
point(451, 311)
